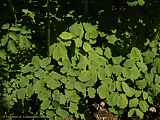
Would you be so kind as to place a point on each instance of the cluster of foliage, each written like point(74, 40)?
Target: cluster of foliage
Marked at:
point(74, 67)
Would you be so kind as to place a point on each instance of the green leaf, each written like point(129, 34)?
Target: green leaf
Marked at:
point(128, 91)
point(113, 99)
point(89, 27)
point(21, 93)
point(66, 35)
point(137, 93)
point(73, 108)
point(63, 99)
point(29, 13)
point(117, 69)
point(143, 106)
point(108, 53)
point(101, 73)
point(13, 36)
point(99, 50)
point(45, 62)
point(78, 42)
point(4, 40)
point(91, 32)
point(83, 62)
point(23, 81)
point(103, 91)
point(24, 43)
point(157, 64)
point(62, 113)
point(145, 95)
point(141, 2)
point(11, 46)
point(129, 63)
point(87, 47)
point(142, 66)
point(50, 114)
point(157, 79)
point(91, 92)
point(113, 110)
point(133, 102)
point(3, 54)
point(36, 60)
point(135, 55)
point(81, 87)
point(131, 112)
point(123, 101)
point(72, 96)
point(149, 78)
point(59, 51)
point(75, 98)
point(132, 73)
point(134, 3)
point(112, 39)
point(77, 29)
point(91, 35)
point(29, 90)
point(117, 60)
point(148, 56)
point(52, 83)
point(5, 26)
point(150, 99)
point(70, 84)
point(85, 76)
point(45, 104)
point(118, 85)
point(141, 83)
point(139, 113)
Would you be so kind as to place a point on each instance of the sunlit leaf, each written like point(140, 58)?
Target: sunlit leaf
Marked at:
point(5, 26)
point(128, 91)
point(36, 60)
point(77, 29)
point(112, 39)
point(135, 54)
point(91, 92)
point(138, 93)
point(131, 112)
point(73, 108)
point(61, 112)
point(133, 102)
point(108, 53)
point(145, 95)
point(117, 60)
point(78, 42)
point(66, 35)
point(45, 62)
point(141, 84)
point(59, 51)
point(139, 113)
point(87, 47)
point(123, 101)
point(143, 106)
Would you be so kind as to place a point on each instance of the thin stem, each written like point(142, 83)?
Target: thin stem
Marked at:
point(13, 10)
point(49, 27)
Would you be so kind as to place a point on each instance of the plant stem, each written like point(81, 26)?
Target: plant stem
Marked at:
point(48, 25)
point(13, 10)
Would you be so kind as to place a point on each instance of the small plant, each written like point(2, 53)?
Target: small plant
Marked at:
point(70, 74)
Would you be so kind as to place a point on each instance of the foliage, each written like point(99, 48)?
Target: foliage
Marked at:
point(79, 66)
